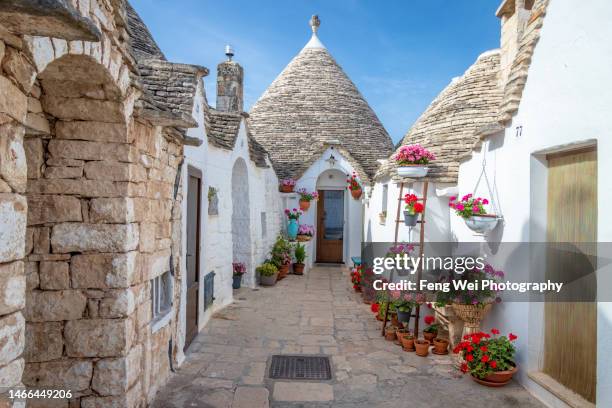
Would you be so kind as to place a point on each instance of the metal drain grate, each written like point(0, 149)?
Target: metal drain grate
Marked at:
point(300, 368)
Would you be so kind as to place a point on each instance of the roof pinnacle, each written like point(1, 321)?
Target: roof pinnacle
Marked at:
point(314, 23)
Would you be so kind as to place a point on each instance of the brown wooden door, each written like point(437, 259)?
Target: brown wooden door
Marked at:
point(194, 192)
point(330, 226)
point(570, 331)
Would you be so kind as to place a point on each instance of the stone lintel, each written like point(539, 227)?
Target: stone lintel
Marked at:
point(47, 18)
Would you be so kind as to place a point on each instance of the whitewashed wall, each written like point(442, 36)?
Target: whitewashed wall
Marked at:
point(566, 101)
point(352, 207)
point(216, 230)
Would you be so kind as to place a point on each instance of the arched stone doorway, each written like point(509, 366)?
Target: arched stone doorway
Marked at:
point(241, 220)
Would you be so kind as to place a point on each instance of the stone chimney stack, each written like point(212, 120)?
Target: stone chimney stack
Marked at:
point(514, 15)
point(230, 77)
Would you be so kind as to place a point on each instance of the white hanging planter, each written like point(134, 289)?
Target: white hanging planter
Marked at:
point(482, 223)
point(413, 171)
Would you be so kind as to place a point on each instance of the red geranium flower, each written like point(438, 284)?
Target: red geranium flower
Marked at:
point(464, 367)
point(483, 348)
point(469, 357)
point(429, 319)
point(494, 331)
point(512, 337)
point(493, 364)
point(484, 358)
point(375, 307)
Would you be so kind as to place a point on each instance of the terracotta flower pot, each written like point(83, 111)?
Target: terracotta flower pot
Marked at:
point(497, 378)
point(269, 280)
point(286, 189)
point(356, 194)
point(394, 321)
point(429, 336)
point(408, 342)
point(298, 268)
point(390, 333)
point(303, 238)
point(304, 205)
point(283, 271)
point(440, 346)
point(422, 347)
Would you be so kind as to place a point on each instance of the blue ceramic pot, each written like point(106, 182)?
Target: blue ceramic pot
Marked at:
point(237, 279)
point(292, 229)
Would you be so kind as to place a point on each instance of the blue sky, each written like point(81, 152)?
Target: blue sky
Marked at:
point(399, 53)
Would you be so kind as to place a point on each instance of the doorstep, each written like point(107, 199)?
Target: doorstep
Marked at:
point(559, 390)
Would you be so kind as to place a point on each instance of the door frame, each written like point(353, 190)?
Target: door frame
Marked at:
point(319, 234)
point(197, 174)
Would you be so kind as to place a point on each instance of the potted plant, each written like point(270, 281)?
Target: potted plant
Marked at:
point(292, 226)
point(382, 216)
point(422, 347)
point(489, 358)
point(356, 278)
point(440, 346)
point(472, 210)
point(401, 249)
point(287, 185)
point(306, 197)
point(412, 161)
point(471, 306)
point(305, 232)
point(407, 341)
point(239, 270)
point(390, 333)
point(402, 302)
point(431, 331)
point(354, 186)
point(413, 209)
point(300, 256)
point(281, 256)
point(268, 273)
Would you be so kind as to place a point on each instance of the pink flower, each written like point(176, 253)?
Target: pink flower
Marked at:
point(453, 198)
point(475, 209)
point(485, 201)
point(459, 207)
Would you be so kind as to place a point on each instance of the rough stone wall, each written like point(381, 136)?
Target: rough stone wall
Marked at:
point(88, 216)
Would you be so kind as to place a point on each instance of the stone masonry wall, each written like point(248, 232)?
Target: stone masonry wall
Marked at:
point(88, 216)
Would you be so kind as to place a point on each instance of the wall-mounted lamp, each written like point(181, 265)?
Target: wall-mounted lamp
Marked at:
point(331, 160)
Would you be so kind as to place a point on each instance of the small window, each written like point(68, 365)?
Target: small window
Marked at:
point(385, 197)
point(264, 225)
point(161, 295)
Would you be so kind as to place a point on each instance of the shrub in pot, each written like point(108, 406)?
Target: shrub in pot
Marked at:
point(412, 210)
point(306, 197)
point(268, 274)
point(489, 358)
point(300, 256)
point(422, 347)
point(281, 256)
point(431, 331)
point(472, 210)
point(239, 269)
point(412, 161)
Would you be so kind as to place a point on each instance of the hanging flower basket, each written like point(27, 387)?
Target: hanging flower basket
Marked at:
point(306, 197)
point(354, 186)
point(472, 210)
point(287, 185)
point(412, 211)
point(412, 161)
point(482, 223)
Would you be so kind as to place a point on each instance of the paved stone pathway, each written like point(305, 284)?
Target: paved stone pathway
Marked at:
point(317, 314)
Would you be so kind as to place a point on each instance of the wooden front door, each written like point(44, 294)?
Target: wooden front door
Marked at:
point(194, 192)
point(330, 226)
point(570, 330)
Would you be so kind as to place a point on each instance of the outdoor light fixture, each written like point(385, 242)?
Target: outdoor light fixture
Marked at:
point(331, 160)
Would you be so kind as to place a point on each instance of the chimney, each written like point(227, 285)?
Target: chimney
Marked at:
point(230, 77)
point(514, 15)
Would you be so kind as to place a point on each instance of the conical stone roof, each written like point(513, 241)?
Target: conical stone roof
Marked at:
point(311, 105)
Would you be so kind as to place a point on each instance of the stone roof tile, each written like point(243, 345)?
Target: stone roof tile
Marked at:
point(313, 104)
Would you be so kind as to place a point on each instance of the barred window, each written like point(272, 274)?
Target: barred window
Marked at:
point(161, 295)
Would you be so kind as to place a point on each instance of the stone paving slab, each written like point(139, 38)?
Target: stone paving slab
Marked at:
point(226, 365)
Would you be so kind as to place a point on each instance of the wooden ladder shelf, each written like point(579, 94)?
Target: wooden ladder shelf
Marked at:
point(398, 221)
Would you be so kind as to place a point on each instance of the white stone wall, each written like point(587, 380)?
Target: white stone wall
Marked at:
point(564, 103)
point(352, 207)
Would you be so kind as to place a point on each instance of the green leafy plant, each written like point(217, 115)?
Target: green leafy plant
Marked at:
point(267, 269)
point(212, 192)
point(300, 253)
point(485, 353)
point(281, 252)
